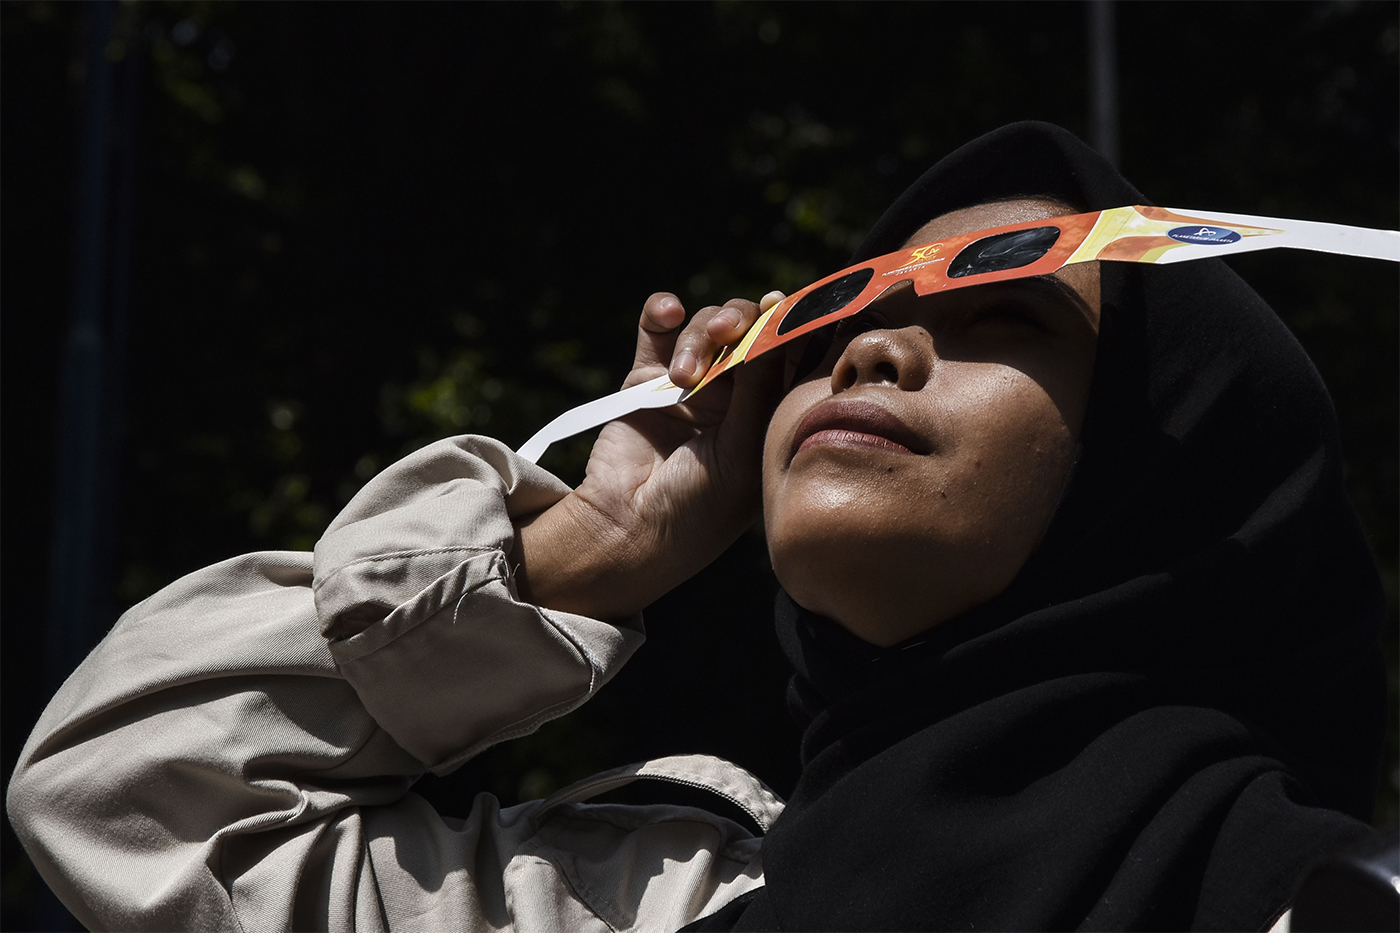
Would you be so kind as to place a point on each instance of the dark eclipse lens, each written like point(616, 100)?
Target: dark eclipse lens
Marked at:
point(1003, 251)
point(821, 301)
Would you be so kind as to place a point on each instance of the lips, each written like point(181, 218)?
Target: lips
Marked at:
point(856, 423)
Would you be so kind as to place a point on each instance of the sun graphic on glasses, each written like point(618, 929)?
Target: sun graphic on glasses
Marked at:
point(1138, 233)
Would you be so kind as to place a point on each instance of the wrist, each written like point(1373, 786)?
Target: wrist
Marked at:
point(574, 559)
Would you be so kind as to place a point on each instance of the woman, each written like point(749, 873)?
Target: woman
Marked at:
point(1083, 631)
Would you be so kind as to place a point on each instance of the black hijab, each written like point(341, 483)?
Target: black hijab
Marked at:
point(1179, 701)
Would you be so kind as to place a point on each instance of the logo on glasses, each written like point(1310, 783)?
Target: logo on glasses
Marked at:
point(1216, 235)
point(924, 253)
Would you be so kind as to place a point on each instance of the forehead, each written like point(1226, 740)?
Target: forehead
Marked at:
point(985, 216)
point(1082, 277)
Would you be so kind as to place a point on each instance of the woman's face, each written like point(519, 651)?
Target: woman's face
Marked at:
point(908, 478)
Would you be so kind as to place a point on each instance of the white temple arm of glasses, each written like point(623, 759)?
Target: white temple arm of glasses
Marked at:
point(658, 393)
point(1297, 234)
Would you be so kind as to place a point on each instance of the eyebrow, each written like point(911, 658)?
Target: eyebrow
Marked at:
point(1064, 289)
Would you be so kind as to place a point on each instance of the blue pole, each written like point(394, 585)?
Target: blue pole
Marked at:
point(1103, 80)
point(73, 560)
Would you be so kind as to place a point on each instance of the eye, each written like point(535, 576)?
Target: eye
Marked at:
point(1003, 313)
point(855, 325)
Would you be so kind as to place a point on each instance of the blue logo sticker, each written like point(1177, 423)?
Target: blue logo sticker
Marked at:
point(1217, 236)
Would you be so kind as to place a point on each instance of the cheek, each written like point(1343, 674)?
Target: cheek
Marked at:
point(1004, 409)
point(1004, 477)
point(781, 429)
point(1011, 442)
point(1002, 451)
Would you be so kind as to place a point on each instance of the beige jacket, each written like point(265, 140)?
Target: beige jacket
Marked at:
point(237, 753)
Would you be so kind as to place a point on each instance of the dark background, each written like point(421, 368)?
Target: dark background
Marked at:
point(257, 252)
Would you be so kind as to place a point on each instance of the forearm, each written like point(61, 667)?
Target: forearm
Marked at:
point(197, 718)
point(219, 713)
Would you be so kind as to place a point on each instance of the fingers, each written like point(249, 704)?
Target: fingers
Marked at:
point(709, 331)
point(687, 353)
point(714, 328)
point(662, 316)
point(759, 386)
point(730, 323)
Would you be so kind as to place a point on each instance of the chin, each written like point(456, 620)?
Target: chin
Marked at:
point(882, 591)
point(888, 566)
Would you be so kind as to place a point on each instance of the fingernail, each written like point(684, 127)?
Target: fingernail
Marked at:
point(684, 363)
point(729, 317)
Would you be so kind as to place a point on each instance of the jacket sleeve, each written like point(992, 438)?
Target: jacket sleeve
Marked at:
point(223, 758)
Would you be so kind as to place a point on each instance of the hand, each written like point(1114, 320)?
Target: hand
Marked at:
point(666, 490)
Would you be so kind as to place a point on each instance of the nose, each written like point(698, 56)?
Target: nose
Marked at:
point(902, 358)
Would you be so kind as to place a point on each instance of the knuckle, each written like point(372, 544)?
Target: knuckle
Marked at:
point(701, 318)
point(746, 309)
point(694, 341)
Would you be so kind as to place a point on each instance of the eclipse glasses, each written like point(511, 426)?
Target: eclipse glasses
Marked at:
point(1038, 247)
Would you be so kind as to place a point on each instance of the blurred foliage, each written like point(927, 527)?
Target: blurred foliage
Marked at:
point(363, 227)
